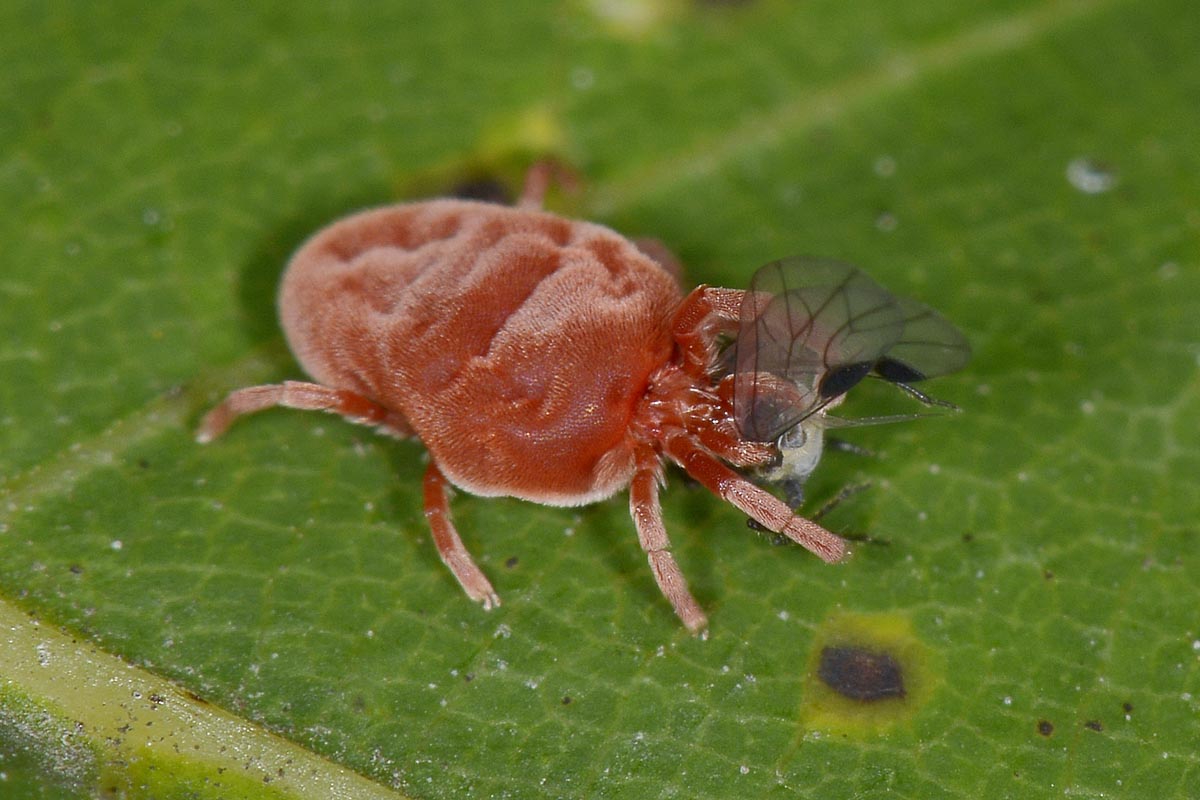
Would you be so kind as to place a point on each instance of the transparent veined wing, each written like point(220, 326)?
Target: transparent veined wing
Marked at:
point(929, 346)
point(810, 329)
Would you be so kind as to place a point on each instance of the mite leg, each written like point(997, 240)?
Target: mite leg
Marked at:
point(537, 182)
point(722, 439)
point(661, 255)
point(766, 509)
point(652, 535)
point(705, 313)
point(306, 397)
point(450, 547)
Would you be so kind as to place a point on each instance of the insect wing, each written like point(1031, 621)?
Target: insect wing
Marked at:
point(809, 330)
point(929, 346)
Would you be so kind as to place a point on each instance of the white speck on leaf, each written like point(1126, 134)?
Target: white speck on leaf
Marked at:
point(1090, 176)
point(582, 78)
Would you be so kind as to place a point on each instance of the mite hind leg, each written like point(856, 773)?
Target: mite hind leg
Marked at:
point(538, 179)
point(449, 546)
point(662, 255)
point(652, 535)
point(306, 397)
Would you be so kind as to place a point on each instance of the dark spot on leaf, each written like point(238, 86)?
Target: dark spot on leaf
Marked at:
point(1045, 727)
point(157, 699)
point(143, 463)
point(76, 569)
point(469, 676)
point(489, 190)
point(1048, 575)
point(195, 698)
point(968, 537)
point(1127, 707)
point(511, 562)
point(861, 674)
point(1093, 725)
point(566, 701)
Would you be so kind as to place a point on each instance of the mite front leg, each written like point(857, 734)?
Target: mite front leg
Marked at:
point(723, 440)
point(766, 509)
point(449, 546)
point(705, 313)
point(306, 397)
point(652, 535)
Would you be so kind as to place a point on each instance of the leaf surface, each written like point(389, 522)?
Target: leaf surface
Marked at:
point(1028, 169)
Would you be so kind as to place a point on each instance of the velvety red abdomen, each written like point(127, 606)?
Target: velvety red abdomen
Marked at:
point(516, 343)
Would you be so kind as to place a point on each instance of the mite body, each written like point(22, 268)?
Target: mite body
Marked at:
point(540, 358)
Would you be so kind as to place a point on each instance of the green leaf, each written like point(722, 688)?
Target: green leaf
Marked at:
point(1029, 169)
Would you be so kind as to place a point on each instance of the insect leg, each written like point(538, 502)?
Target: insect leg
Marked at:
point(843, 446)
point(845, 493)
point(652, 535)
point(768, 510)
point(704, 314)
point(303, 396)
point(449, 546)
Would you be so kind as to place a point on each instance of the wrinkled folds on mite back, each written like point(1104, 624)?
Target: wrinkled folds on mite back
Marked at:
point(517, 344)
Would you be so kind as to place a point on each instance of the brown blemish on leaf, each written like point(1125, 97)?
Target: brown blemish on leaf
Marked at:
point(861, 674)
point(1045, 727)
point(1093, 725)
point(866, 673)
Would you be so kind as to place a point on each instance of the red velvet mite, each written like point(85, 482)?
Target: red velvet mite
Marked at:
point(554, 361)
